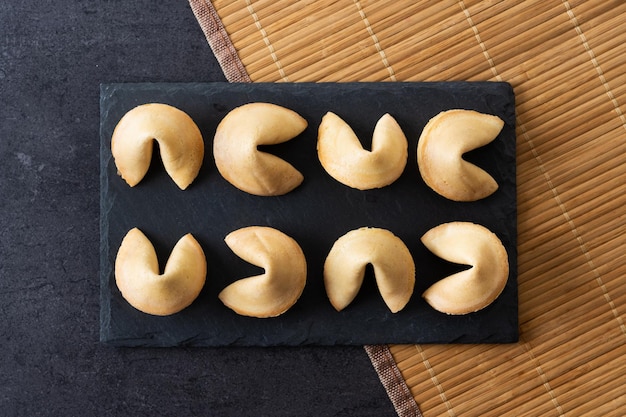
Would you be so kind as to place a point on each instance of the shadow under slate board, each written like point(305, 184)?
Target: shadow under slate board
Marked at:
point(315, 214)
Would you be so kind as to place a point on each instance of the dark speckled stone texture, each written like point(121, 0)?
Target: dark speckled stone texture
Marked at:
point(53, 57)
point(315, 214)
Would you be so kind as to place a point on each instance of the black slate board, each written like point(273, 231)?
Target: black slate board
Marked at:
point(315, 215)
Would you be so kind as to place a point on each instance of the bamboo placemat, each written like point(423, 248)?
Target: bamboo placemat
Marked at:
point(567, 63)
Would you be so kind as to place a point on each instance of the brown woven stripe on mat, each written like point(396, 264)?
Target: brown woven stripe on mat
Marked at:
point(219, 41)
point(566, 60)
point(392, 380)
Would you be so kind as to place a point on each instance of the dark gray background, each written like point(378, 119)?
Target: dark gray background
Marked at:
point(53, 58)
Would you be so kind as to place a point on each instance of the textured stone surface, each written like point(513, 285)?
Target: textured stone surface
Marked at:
point(52, 60)
point(315, 214)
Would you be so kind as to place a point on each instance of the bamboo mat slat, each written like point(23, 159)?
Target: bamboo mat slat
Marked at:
point(566, 61)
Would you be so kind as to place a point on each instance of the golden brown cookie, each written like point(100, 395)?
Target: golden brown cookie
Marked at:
point(341, 154)
point(444, 140)
point(280, 286)
point(180, 143)
point(236, 152)
point(138, 279)
point(475, 288)
point(393, 264)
